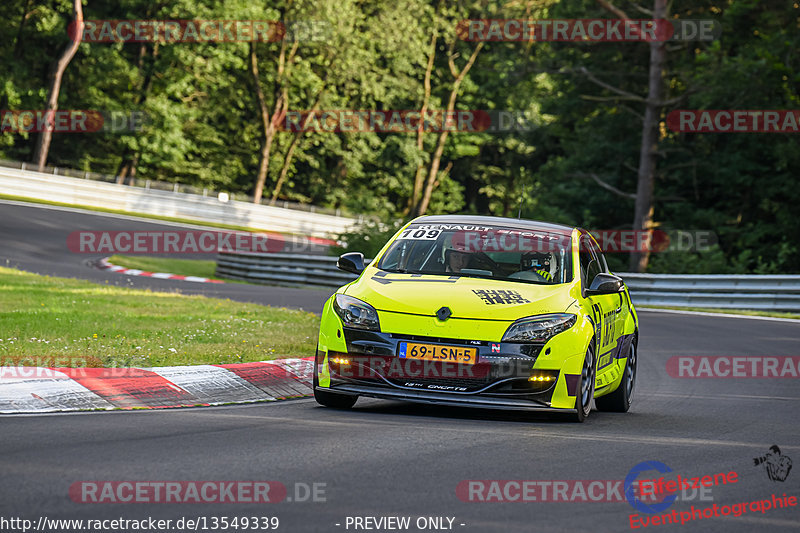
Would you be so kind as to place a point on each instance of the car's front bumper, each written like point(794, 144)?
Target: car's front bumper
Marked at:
point(369, 365)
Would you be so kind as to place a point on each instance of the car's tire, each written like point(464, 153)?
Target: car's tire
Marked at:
point(331, 399)
point(620, 400)
point(585, 390)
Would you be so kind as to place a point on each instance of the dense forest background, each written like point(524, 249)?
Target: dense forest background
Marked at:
point(575, 158)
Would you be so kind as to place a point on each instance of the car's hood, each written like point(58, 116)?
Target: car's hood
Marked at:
point(466, 297)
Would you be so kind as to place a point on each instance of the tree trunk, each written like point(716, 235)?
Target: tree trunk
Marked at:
point(266, 125)
point(285, 168)
point(26, 11)
point(127, 165)
point(269, 122)
point(643, 212)
point(56, 74)
point(298, 136)
point(287, 160)
point(128, 169)
point(419, 176)
point(433, 172)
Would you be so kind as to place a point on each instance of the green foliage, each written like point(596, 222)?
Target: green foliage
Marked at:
point(367, 238)
point(205, 128)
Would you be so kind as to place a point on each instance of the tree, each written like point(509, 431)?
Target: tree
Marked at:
point(56, 73)
point(280, 103)
point(643, 210)
point(433, 170)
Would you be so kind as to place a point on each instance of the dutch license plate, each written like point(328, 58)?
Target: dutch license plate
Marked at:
point(437, 352)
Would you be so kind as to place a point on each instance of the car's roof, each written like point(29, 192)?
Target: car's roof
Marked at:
point(515, 223)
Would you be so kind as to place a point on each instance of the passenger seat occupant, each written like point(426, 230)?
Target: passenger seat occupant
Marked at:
point(540, 264)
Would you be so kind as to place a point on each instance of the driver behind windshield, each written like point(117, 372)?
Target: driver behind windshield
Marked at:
point(455, 260)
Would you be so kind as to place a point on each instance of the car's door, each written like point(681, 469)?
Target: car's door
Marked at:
point(606, 308)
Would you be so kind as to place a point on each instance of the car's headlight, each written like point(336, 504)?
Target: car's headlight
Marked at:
point(355, 313)
point(539, 328)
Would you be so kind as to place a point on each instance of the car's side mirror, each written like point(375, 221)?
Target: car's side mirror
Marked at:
point(605, 284)
point(351, 262)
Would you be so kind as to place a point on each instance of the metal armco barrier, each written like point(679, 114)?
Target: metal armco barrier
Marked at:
point(77, 191)
point(282, 269)
point(722, 291)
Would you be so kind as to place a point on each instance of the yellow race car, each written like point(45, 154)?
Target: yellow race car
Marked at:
point(484, 312)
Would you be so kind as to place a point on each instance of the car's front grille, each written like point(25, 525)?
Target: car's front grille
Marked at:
point(469, 384)
point(438, 340)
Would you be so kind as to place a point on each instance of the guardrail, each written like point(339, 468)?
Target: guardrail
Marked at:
point(722, 291)
point(282, 269)
point(168, 186)
point(77, 191)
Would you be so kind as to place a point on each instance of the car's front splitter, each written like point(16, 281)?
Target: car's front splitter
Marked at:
point(443, 398)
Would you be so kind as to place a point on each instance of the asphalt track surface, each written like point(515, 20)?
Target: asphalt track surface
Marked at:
point(394, 459)
point(34, 238)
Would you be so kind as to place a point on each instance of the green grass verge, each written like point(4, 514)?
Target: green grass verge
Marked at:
point(747, 312)
point(135, 214)
point(185, 267)
point(48, 321)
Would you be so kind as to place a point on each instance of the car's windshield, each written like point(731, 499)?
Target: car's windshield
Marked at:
point(512, 254)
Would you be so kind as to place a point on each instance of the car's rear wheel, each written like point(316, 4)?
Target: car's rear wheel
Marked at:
point(585, 392)
point(331, 399)
point(620, 400)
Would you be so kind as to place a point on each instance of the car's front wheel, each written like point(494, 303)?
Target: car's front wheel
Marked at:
point(620, 400)
point(585, 392)
point(331, 399)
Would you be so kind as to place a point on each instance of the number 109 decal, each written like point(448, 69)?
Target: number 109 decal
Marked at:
point(420, 234)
